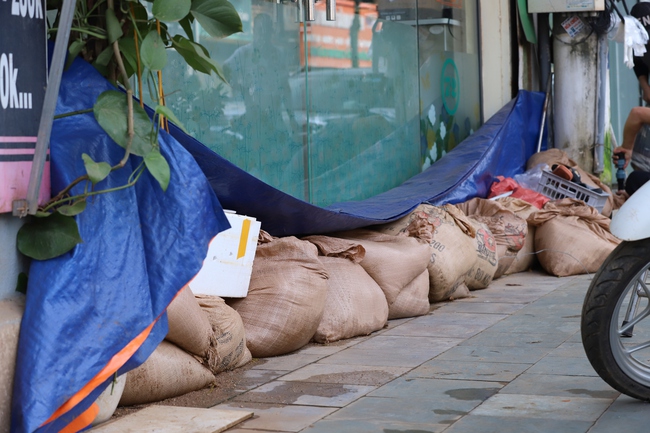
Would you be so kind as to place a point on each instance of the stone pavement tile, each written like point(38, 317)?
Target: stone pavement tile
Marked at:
point(564, 366)
point(305, 393)
point(536, 324)
point(626, 414)
point(453, 394)
point(569, 350)
point(290, 362)
point(446, 325)
point(290, 418)
point(485, 307)
point(516, 354)
point(175, 419)
point(329, 348)
point(506, 296)
point(511, 339)
point(467, 370)
point(252, 378)
point(542, 406)
point(412, 411)
point(346, 374)
point(495, 424)
point(563, 386)
point(369, 426)
point(392, 351)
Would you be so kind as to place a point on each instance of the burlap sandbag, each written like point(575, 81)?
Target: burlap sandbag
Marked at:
point(355, 304)
point(526, 257)
point(189, 327)
point(508, 229)
point(413, 299)
point(558, 156)
point(230, 349)
point(392, 261)
point(572, 238)
point(168, 372)
point(459, 259)
point(286, 297)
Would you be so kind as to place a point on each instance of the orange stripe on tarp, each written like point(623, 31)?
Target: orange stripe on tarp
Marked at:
point(83, 420)
point(117, 361)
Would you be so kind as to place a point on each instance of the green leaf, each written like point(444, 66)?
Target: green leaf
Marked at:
point(171, 10)
point(217, 17)
point(152, 52)
point(111, 113)
point(196, 56)
point(159, 168)
point(186, 24)
point(113, 27)
point(40, 214)
point(46, 238)
point(127, 48)
point(73, 209)
point(21, 283)
point(168, 113)
point(73, 51)
point(97, 171)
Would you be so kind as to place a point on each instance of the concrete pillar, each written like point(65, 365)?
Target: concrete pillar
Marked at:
point(496, 53)
point(576, 91)
point(11, 313)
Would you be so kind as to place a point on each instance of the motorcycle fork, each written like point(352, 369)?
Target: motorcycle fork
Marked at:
point(632, 306)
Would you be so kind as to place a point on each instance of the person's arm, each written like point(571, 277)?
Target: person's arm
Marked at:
point(638, 117)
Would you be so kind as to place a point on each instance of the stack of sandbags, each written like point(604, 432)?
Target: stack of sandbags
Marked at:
point(205, 337)
point(462, 252)
point(286, 296)
point(355, 304)
point(572, 238)
point(230, 351)
point(508, 229)
point(557, 156)
point(526, 256)
point(398, 264)
point(208, 328)
point(168, 372)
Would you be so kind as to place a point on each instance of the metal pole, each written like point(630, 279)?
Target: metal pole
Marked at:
point(49, 106)
point(543, 122)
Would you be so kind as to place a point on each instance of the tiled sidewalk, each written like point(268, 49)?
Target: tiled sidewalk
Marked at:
point(507, 360)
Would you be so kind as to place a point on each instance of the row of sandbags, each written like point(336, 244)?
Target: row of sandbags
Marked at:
point(205, 337)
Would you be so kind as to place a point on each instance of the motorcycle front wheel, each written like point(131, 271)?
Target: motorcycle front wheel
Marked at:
point(615, 323)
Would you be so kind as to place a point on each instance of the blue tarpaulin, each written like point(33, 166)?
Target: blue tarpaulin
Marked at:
point(89, 310)
point(500, 147)
point(141, 246)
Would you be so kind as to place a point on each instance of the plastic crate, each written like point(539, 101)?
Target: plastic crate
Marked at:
point(555, 188)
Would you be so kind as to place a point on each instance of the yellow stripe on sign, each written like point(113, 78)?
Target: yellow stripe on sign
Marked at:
point(243, 240)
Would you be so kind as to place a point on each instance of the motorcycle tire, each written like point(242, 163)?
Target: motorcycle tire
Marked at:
point(615, 335)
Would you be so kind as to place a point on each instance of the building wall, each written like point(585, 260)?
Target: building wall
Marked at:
point(496, 55)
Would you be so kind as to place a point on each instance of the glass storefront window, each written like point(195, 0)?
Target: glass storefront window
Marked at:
point(332, 111)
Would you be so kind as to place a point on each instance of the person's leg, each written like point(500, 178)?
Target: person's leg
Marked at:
point(635, 180)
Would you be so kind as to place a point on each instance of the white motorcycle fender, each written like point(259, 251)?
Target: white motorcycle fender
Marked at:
point(632, 221)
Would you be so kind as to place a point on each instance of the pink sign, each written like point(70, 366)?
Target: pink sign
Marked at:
point(16, 154)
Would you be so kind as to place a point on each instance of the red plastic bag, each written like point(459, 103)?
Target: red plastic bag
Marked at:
point(506, 184)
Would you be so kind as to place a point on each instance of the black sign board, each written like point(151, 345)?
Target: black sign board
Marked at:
point(23, 78)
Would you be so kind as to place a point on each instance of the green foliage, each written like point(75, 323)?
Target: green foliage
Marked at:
point(97, 171)
point(111, 110)
point(102, 30)
point(21, 283)
point(46, 238)
point(152, 52)
point(218, 17)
